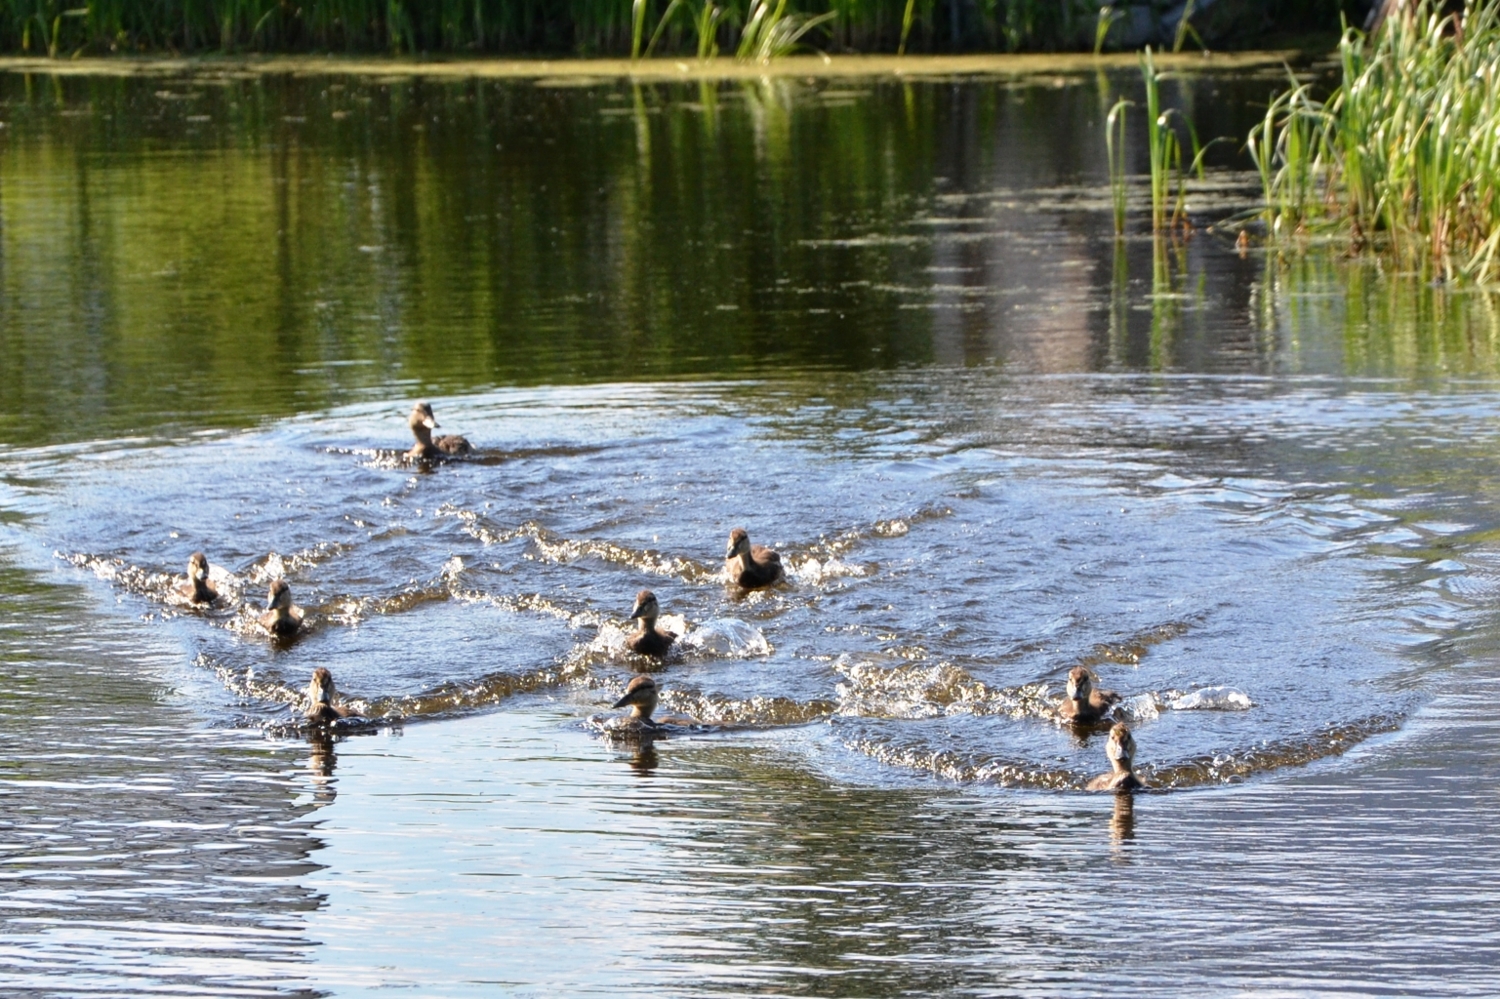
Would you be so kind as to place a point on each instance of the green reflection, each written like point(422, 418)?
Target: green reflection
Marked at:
point(1388, 325)
point(212, 251)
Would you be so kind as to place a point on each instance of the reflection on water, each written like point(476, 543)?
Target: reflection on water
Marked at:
point(350, 236)
point(883, 326)
point(141, 851)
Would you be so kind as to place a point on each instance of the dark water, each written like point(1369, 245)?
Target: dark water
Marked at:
point(885, 328)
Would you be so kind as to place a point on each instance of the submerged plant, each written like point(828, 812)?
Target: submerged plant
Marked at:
point(1405, 152)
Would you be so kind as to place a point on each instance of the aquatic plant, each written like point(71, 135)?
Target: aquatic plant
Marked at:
point(1404, 154)
point(1114, 143)
point(585, 27)
point(906, 22)
point(1185, 28)
point(1169, 169)
point(771, 30)
point(706, 24)
point(1108, 15)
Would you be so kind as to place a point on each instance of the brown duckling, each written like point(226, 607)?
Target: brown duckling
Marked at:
point(751, 566)
point(281, 618)
point(1121, 750)
point(1084, 703)
point(650, 640)
point(640, 696)
point(197, 588)
point(321, 708)
point(423, 423)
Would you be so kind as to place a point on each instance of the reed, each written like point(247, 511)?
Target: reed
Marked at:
point(1114, 142)
point(585, 27)
point(1106, 20)
point(1168, 165)
point(771, 30)
point(706, 25)
point(1404, 154)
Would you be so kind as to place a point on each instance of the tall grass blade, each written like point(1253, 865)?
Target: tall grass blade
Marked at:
point(1114, 143)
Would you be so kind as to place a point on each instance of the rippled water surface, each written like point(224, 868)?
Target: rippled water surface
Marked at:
point(881, 326)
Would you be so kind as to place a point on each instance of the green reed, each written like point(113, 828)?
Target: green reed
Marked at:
point(1169, 167)
point(1114, 142)
point(771, 30)
point(1404, 154)
point(585, 27)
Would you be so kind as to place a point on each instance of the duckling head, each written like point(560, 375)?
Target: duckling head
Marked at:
point(421, 416)
point(739, 543)
point(646, 608)
point(198, 567)
point(640, 696)
point(320, 688)
point(1080, 683)
point(1121, 746)
point(279, 597)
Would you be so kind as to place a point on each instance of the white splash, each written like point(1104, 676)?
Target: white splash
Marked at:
point(813, 571)
point(727, 636)
point(1141, 707)
point(1213, 699)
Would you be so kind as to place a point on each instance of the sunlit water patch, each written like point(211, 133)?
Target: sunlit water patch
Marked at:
point(1248, 598)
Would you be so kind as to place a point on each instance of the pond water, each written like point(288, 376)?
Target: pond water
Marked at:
point(884, 326)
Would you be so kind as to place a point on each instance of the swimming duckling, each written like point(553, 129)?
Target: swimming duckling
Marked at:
point(320, 695)
point(197, 588)
point(1121, 750)
point(640, 696)
point(650, 640)
point(281, 618)
point(422, 425)
point(1084, 703)
point(751, 567)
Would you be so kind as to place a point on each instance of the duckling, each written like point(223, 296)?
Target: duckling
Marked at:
point(650, 640)
point(422, 425)
point(197, 588)
point(640, 696)
point(751, 567)
point(281, 618)
point(1121, 750)
point(321, 708)
point(1084, 703)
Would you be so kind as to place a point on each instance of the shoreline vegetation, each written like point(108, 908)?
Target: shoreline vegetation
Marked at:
point(656, 69)
point(743, 29)
point(1403, 156)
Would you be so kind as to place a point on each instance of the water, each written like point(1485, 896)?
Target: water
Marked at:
point(881, 326)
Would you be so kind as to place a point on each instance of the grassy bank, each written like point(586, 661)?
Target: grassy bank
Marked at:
point(1405, 154)
point(598, 27)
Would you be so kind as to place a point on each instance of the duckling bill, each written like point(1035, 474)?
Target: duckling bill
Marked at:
point(751, 566)
point(1084, 702)
point(322, 706)
point(197, 588)
point(282, 618)
point(1121, 752)
point(649, 640)
point(423, 423)
point(641, 695)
